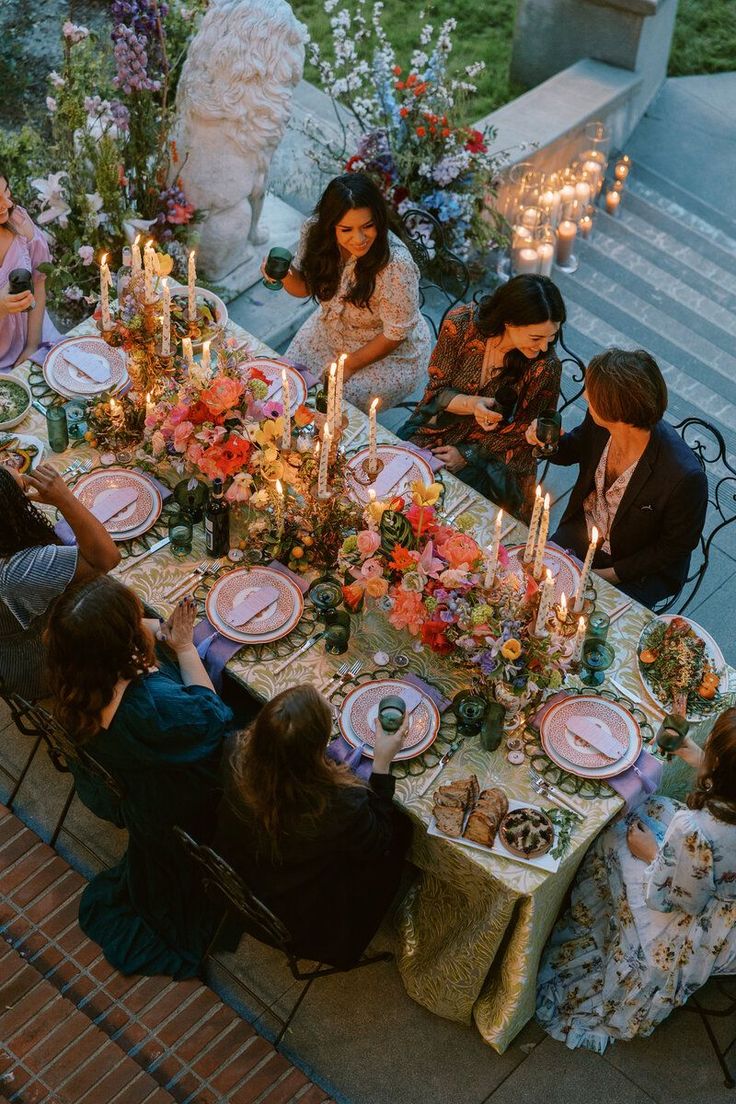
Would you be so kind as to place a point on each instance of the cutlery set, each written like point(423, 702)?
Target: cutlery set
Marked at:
point(343, 675)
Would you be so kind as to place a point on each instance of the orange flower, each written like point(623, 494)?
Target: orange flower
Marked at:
point(400, 86)
point(303, 416)
point(401, 559)
point(420, 89)
point(446, 132)
point(411, 80)
point(433, 130)
point(397, 70)
point(403, 112)
point(421, 131)
point(223, 394)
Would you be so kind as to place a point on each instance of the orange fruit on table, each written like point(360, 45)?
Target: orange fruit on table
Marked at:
point(707, 690)
point(647, 656)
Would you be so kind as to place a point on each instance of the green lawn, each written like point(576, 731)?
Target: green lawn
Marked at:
point(705, 38)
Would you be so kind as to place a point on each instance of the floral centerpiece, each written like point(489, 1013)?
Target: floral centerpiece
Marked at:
point(430, 579)
point(411, 143)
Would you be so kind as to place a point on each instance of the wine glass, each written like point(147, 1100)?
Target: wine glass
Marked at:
point(597, 657)
point(325, 593)
point(470, 710)
point(276, 267)
point(549, 424)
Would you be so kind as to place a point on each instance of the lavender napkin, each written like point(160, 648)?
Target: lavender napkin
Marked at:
point(63, 529)
point(435, 464)
point(215, 650)
point(633, 785)
point(342, 752)
point(308, 376)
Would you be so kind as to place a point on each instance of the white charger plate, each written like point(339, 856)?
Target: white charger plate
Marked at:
point(554, 735)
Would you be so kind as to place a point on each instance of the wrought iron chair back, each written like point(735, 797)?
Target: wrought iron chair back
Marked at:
point(443, 273)
point(710, 448)
point(576, 385)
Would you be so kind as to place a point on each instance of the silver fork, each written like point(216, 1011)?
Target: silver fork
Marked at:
point(543, 787)
point(349, 673)
point(81, 469)
point(341, 670)
point(198, 571)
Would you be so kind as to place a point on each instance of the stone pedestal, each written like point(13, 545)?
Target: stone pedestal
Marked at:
point(282, 224)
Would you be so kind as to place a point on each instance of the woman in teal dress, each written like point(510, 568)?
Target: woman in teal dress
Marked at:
point(158, 728)
point(653, 911)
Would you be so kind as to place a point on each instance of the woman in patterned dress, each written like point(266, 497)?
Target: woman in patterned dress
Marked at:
point(367, 287)
point(492, 372)
point(653, 910)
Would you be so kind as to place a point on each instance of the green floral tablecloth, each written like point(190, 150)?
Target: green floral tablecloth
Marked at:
point(472, 928)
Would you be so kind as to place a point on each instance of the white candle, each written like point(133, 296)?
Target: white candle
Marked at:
point(338, 388)
point(612, 201)
point(279, 509)
point(372, 446)
point(526, 260)
point(149, 404)
point(580, 593)
point(186, 344)
point(148, 271)
point(550, 202)
point(135, 256)
point(191, 286)
point(594, 171)
point(206, 361)
point(567, 198)
point(286, 403)
point(566, 233)
point(531, 540)
point(585, 226)
point(166, 321)
point(582, 192)
point(530, 218)
point(105, 285)
point(331, 384)
point(577, 644)
point(621, 170)
point(324, 458)
point(546, 594)
point(562, 609)
point(493, 552)
point(541, 538)
point(521, 239)
point(545, 257)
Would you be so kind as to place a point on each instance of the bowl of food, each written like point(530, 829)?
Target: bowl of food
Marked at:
point(15, 401)
point(212, 314)
point(527, 832)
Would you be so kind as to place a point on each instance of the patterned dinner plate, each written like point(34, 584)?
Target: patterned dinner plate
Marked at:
point(360, 709)
point(575, 755)
point(68, 381)
point(419, 470)
point(565, 571)
point(272, 369)
point(713, 654)
point(270, 624)
point(133, 520)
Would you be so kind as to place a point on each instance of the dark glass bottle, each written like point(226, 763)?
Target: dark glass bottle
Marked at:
point(217, 522)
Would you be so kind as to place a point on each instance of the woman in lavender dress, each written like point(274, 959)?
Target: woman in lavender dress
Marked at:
point(24, 323)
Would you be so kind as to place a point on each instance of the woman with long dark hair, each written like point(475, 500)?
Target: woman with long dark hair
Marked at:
point(24, 323)
point(367, 287)
point(158, 728)
point(493, 370)
point(653, 911)
point(323, 850)
point(35, 568)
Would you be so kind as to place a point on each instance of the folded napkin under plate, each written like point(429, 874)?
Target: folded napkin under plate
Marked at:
point(63, 529)
point(257, 601)
point(215, 650)
point(392, 473)
point(91, 365)
point(591, 732)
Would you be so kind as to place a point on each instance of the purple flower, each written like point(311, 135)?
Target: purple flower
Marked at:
point(488, 662)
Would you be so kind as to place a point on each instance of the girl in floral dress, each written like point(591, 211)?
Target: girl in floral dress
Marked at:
point(653, 911)
point(367, 286)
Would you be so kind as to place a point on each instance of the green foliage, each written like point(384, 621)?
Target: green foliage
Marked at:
point(395, 529)
point(705, 38)
point(23, 155)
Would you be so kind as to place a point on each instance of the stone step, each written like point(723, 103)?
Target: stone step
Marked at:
point(272, 316)
point(694, 249)
point(661, 192)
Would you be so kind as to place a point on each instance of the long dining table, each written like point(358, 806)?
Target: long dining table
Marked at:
point(471, 929)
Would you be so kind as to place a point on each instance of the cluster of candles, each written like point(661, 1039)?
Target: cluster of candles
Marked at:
point(333, 424)
point(547, 211)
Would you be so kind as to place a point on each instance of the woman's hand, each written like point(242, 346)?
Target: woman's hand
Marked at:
point(387, 745)
point(178, 631)
point(485, 415)
point(50, 488)
point(450, 457)
point(641, 841)
point(531, 435)
point(14, 304)
point(690, 752)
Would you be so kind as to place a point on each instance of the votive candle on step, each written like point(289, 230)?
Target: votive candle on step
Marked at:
point(566, 234)
point(613, 200)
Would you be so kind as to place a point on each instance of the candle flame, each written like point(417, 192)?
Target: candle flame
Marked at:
point(563, 602)
point(539, 490)
point(113, 406)
point(371, 495)
point(283, 376)
point(374, 405)
point(326, 433)
point(546, 502)
point(279, 488)
point(148, 397)
point(594, 536)
point(581, 625)
point(499, 519)
point(341, 360)
point(316, 448)
point(333, 369)
point(103, 259)
point(549, 576)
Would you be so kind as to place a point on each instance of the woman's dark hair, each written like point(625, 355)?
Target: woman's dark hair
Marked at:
point(94, 637)
point(279, 770)
point(526, 300)
point(625, 386)
point(715, 786)
point(321, 264)
point(23, 524)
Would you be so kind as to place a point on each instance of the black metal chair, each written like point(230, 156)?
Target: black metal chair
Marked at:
point(443, 272)
point(710, 448)
point(33, 720)
point(220, 879)
point(706, 1013)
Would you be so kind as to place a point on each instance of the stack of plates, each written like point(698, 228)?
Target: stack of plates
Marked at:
point(608, 722)
point(565, 571)
point(359, 713)
point(66, 380)
point(133, 520)
point(272, 370)
point(416, 469)
point(270, 624)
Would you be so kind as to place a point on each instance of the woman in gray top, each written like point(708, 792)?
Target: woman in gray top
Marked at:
point(35, 567)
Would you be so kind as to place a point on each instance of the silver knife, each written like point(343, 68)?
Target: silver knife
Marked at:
point(440, 767)
point(149, 552)
point(300, 651)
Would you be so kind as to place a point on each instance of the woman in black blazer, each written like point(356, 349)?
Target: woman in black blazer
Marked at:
point(639, 483)
point(322, 849)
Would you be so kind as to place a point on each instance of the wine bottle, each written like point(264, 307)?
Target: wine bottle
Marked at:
point(217, 522)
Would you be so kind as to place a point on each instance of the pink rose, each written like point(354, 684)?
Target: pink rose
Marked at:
point(368, 542)
point(212, 435)
point(372, 569)
point(158, 443)
point(459, 549)
point(223, 395)
point(182, 433)
point(177, 414)
point(194, 452)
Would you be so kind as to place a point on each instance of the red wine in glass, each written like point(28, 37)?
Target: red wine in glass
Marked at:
point(549, 424)
point(276, 267)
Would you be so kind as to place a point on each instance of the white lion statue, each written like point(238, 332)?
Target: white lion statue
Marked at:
point(233, 104)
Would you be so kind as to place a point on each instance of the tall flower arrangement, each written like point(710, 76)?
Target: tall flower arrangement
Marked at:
point(406, 112)
point(110, 158)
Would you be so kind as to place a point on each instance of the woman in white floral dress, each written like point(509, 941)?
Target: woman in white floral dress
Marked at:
point(653, 911)
point(367, 287)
